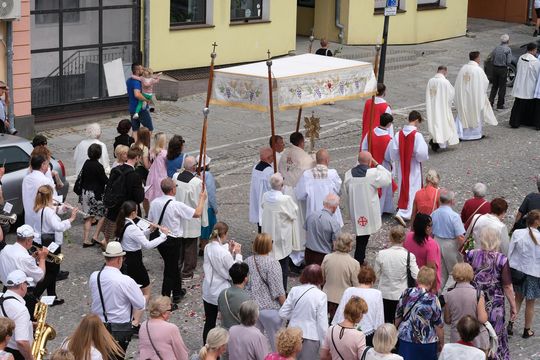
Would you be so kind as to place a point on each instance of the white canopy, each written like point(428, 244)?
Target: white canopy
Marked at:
point(298, 81)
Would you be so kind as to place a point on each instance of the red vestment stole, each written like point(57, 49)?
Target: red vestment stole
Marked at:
point(406, 147)
point(378, 111)
point(378, 149)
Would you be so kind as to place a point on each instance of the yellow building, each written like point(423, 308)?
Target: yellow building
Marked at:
point(182, 31)
point(417, 21)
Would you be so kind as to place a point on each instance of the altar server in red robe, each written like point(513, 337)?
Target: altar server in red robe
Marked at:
point(381, 107)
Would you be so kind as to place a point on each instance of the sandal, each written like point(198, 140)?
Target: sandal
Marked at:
point(510, 328)
point(527, 333)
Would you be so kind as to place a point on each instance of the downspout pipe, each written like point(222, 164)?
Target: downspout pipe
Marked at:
point(146, 33)
point(339, 25)
point(9, 75)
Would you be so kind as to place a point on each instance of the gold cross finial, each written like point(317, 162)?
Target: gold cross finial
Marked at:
point(214, 46)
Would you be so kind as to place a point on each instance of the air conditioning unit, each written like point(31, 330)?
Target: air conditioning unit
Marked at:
point(10, 10)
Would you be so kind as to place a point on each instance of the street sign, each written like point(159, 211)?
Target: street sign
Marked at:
point(391, 8)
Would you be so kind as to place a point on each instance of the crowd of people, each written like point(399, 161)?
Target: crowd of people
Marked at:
point(440, 267)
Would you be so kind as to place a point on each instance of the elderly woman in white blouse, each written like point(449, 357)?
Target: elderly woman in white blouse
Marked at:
point(391, 270)
point(219, 255)
point(133, 240)
point(80, 155)
point(306, 308)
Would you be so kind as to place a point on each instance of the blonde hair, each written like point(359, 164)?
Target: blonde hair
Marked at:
point(62, 354)
point(433, 177)
point(426, 276)
point(490, 239)
point(220, 230)
point(262, 244)
point(287, 341)
point(92, 332)
point(121, 149)
point(6, 328)
point(147, 72)
point(160, 143)
point(217, 337)
point(44, 197)
point(385, 338)
point(343, 243)
point(158, 305)
point(397, 234)
point(462, 272)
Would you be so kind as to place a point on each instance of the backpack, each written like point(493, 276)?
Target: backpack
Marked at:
point(116, 190)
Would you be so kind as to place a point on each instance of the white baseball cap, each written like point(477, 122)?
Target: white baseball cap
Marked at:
point(25, 231)
point(17, 277)
point(114, 249)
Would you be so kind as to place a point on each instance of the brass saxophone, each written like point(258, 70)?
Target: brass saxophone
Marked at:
point(43, 333)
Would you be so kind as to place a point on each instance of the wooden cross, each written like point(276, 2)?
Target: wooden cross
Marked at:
point(312, 126)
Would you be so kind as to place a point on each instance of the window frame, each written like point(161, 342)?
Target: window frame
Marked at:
point(436, 4)
point(251, 18)
point(197, 23)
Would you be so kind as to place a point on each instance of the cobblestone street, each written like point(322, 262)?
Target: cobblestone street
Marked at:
point(506, 160)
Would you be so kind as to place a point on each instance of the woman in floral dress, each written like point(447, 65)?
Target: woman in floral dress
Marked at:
point(492, 277)
point(158, 169)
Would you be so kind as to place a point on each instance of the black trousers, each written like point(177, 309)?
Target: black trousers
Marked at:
point(500, 74)
point(361, 245)
point(284, 271)
point(389, 310)
point(170, 252)
point(49, 280)
point(210, 317)
point(16, 353)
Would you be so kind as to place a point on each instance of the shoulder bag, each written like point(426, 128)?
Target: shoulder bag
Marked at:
point(121, 327)
point(411, 282)
point(229, 308)
point(46, 239)
point(259, 272)
point(364, 354)
point(469, 237)
point(334, 343)
point(155, 234)
point(152, 343)
point(408, 313)
point(77, 188)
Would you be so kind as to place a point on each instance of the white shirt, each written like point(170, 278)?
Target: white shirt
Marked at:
point(30, 185)
point(188, 193)
point(455, 351)
point(526, 76)
point(373, 355)
point(391, 270)
point(135, 239)
point(51, 224)
point(81, 155)
point(94, 353)
point(306, 308)
point(17, 311)
point(120, 294)
point(524, 254)
point(375, 315)
point(493, 222)
point(16, 257)
point(174, 214)
point(260, 183)
point(217, 262)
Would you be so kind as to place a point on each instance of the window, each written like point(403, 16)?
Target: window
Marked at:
point(431, 4)
point(187, 12)
point(15, 158)
point(306, 3)
point(245, 10)
point(52, 18)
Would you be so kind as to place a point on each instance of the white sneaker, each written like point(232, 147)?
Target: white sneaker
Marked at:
point(400, 220)
point(135, 116)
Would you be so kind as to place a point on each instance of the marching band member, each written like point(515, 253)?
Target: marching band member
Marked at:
point(49, 228)
point(133, 239)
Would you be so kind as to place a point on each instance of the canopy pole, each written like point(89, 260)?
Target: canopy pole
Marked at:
point(206, 111)
point(298, 120)
point(372, 110)
point(271, 107)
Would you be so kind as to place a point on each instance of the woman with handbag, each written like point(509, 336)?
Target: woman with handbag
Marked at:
point(389, 269)
point(373, 297)
point(158, 338)
point(343, 341)
point(266, 286)
point(49, 228)
point(90, 186)
point(524, 260)
point(426, 200)
point(219, 255)
point(419, 319)
point(306, 309)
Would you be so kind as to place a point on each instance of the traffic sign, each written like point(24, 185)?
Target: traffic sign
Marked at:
point(391, 8)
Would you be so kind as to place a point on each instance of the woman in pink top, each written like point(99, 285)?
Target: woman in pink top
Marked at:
point(158, 336)
point(420, 243)
point(158, 168)
point(288, 343)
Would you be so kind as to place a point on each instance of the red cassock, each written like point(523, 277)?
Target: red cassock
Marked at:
point(378, 111)
point(379, 144)
point(406, 147)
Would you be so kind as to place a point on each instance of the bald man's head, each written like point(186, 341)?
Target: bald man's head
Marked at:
point(322, 157)
point(266, 155)
point(364, 158)
point(190, 163)
point(331, 202)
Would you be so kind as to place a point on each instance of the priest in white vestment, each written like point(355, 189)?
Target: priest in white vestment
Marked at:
point(381, 140)
point(528, 67)
point(439, 97)
point(317, 183)
point(361, 198)
point(292, 165)
point(472, 101)
point(188, 191)
point(260, 183)
point(280, 220)
point(409, 150)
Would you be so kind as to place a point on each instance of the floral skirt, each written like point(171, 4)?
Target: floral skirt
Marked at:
point(530, 288)
point(91, 205)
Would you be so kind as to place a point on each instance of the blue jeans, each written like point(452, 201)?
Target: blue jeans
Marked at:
point(144, 118)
